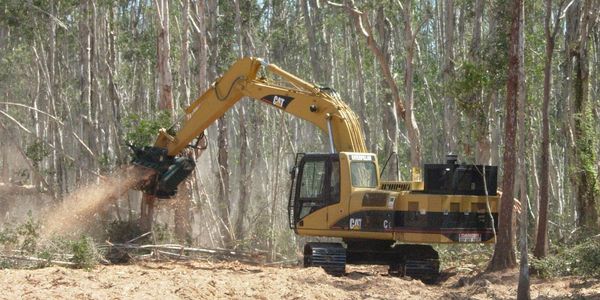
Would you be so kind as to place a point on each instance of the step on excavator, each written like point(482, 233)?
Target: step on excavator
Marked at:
point(340, 194)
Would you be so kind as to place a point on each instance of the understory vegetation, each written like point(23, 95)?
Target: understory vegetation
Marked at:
point(21, 246)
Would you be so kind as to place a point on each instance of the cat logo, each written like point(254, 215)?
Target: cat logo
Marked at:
point(355, 224)
point(278, 101)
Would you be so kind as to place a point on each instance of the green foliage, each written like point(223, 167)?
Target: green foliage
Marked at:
point(8, 237)
point(471, 78)
point(6, 264)
point(23, 237)
point(161, 233)
point(26, 238)
point(582, 259)
point(29, 233)
point(84, 252)
point(37, 151)
point(142, 131)
point(137, 46)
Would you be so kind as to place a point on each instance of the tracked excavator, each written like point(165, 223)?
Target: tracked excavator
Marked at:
point(340, 194)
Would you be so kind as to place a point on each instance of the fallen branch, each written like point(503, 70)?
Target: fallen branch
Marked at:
point(139, 237)
point(36, 259)
point(174, 255)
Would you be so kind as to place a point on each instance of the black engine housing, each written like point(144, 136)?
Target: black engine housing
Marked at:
point(460, 179)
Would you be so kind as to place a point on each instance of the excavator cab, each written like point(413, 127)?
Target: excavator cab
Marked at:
point(315, 184)
point(325, 186)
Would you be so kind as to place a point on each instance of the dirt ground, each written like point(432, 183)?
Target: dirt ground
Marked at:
point(234, 280)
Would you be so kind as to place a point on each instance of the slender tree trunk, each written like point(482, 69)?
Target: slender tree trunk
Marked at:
point(541, 245)
point(223, 175)
point(362, 98)
point(165, 83)
point(85, 79)
point(384, 29)
point(315, 60)
point(364, 28)
point(584, 177)
point(523, 292)
point(183, 206)
point(483, 154)
point(414, 135)
point(245, 179)
point(201, 46)
point(504, 252)
point(165, 77)
point(447, 75)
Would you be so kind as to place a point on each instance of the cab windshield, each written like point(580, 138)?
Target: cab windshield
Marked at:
point(364, 174)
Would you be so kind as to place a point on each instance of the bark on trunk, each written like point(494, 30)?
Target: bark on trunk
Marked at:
point(504, 252)
point(414, 136)
point(315, 60)
point(224, 205)
point(183, 206)
point(165, 83)
point(362, 98)
point(165, 77)
point(523, 292)
point(541, 245)
point(447, 75)
point(584, 175)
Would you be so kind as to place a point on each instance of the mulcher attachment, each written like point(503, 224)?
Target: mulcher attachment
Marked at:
point(170, 170)
point(329, 256)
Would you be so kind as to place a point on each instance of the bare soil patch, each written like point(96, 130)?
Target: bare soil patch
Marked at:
point(234, 280)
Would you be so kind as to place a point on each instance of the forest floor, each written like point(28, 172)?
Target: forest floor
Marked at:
point(233, 280)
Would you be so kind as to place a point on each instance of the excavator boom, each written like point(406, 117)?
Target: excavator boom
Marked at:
point(320, 106)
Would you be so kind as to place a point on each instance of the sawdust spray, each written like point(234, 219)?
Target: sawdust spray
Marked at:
point(79, 209)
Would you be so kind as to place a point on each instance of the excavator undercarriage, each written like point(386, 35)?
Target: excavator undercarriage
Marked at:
point(415, 261)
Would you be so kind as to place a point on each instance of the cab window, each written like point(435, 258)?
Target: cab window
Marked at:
point(313, 179)
point(364, 174)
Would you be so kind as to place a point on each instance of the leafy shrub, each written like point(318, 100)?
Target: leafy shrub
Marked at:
point(162, 233)
point(587, 258)
point(141, 131)
point(6, 264)
point(582, 259)
point(37, 152)
point(29, 233)
point(84, 252)
point(9, 238)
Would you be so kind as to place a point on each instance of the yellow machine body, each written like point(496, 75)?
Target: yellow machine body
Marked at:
point(340, 193)
point(373, 212)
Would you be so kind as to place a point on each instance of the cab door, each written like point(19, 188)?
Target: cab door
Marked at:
point(315, 190)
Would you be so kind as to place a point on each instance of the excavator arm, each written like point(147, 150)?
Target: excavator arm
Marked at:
point(317, 105)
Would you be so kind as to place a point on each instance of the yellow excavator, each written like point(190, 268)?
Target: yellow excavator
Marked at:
point(340, 194)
